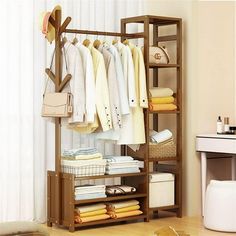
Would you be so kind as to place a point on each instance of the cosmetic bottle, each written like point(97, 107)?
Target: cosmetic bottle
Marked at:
point(219, 126)
point(226, 124)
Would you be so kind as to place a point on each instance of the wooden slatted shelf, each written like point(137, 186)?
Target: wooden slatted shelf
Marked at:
point(153, 65)
point(162, 159)
point(108, 199)
point(165, 112)
point(163, 208)
point(166, 38)
point(110, 176)
point(111, 221)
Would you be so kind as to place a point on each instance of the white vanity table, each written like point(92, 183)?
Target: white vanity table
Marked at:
point(215, 143)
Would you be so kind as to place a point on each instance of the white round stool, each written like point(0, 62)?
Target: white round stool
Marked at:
point(220, 206)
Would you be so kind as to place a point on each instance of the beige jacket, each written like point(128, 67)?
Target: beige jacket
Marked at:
point(112, 87)
point(141, 91)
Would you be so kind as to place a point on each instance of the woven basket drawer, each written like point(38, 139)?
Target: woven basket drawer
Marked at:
point(162, 151)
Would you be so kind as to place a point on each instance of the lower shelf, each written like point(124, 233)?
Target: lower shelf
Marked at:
point(163, 208)
point(99, 222)
point(108, 199)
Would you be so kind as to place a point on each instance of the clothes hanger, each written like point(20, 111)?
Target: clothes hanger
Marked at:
point(97, 43)
point(126, 42)
point(114, 41)
point(64, 40)
point(86, 42)
point(75, 40)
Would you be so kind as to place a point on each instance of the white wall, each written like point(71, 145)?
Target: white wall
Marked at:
point(209, 78)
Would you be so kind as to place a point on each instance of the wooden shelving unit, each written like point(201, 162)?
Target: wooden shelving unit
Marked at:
point(155, 23)
point(60, 186)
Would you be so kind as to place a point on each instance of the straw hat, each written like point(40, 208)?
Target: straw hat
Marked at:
point(45, 26)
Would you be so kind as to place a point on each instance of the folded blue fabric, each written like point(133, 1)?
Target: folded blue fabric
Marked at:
point(90, 196)
point(79, 151)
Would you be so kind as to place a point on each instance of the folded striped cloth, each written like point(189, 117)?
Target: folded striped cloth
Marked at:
point(119, 189)
point(83, 189)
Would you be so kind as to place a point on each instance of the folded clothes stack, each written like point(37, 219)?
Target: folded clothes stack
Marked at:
point(90, 192)
point(90, 213)
point(121, 165)
point(119, 190)
point(161, 137)
point(83, 162)
point(161, 99)
point(82, 154)
point(123, 209)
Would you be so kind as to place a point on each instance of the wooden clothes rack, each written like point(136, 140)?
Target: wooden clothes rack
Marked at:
point(60, 186)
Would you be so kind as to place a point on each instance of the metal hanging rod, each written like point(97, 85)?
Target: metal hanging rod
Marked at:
point(75, 31)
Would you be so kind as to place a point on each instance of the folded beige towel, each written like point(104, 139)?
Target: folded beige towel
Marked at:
point(116, 205)
point(159, 92)
point(88, 208)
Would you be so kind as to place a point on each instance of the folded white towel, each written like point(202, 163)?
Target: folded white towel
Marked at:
point(159, 92)
point(161, 136)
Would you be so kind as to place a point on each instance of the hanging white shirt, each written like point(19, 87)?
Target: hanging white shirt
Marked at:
point(76, 85)
point(124, 104)
point(90, 95)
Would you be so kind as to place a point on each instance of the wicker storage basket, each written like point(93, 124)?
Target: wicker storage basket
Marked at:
point(162, 150)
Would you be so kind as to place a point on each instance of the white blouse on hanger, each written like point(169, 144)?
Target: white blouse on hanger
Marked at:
point(90, 97)
point(124, 104)
point(76, 84)
point(126, 132)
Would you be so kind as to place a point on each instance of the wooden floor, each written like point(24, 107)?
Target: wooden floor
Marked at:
point(191, 225)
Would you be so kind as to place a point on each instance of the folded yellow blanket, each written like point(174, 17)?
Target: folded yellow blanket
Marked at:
point(124, 209)
point(82, 220)
point(162, 107)
point(93, 213)
point(125, 214)
point(116, 205)
point(164, 100)
point(89, 208)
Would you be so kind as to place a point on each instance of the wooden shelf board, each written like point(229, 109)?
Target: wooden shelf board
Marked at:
point(111, 221)
point(163, 208)
point(162, 159)
point(110, 176)
point(165, 112)
point(108, 199)
point(166, 38)
point(154, 65)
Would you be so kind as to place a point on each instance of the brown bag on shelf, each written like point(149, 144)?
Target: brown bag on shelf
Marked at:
point(57, 104)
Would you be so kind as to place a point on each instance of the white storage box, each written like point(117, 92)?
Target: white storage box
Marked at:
point(161, 189)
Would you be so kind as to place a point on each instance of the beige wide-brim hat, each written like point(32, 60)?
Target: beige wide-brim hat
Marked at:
point(45, 26)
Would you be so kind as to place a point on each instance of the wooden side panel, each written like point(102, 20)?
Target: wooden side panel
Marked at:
point(51, 196)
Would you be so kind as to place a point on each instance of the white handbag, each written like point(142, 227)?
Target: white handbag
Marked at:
point(158, 55)
point(56, 104)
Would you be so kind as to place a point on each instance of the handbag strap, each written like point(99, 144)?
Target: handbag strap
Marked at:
point(51, 64)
